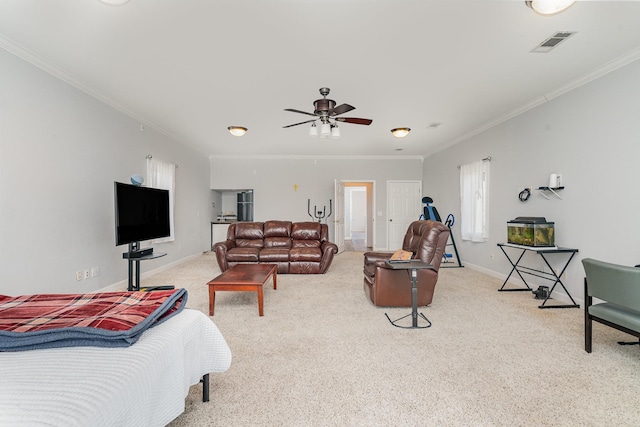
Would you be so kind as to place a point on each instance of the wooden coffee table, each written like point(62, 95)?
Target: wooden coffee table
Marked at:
point(243, 278)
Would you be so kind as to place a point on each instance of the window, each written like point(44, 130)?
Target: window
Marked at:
point(474, 201)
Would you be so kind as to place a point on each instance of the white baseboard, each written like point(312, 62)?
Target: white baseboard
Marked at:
point(122, 285)
point(557, 295)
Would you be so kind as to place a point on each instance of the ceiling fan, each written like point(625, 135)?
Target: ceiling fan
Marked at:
point(326, 111)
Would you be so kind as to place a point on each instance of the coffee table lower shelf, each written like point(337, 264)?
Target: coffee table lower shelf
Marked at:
point(243, 278)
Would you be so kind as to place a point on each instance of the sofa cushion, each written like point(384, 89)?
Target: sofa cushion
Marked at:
point(306, 231)
point(249, 235)
point(305, 254)
point(305, 243)
point(277, 229)
point(274, 255)
point(277, 242)
point(249, 230)
point(244, 254)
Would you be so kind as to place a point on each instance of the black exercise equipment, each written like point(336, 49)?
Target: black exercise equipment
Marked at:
point(430, 212)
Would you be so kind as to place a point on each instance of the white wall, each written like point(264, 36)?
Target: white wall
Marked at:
point(591, 136)
point(60, 152)
point(274, 181)
point(358, 202)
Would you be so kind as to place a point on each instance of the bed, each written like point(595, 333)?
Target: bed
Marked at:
point(144, 384)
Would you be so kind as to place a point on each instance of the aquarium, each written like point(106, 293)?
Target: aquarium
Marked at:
point(531, 231)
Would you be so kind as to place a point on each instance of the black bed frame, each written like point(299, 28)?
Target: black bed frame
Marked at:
point(205, 387)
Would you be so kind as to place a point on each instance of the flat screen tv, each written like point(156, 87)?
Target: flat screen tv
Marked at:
point(141, 213)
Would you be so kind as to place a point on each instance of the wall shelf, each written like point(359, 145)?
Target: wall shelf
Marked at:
point(543, 190)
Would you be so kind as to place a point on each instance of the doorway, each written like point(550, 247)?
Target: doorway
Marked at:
point(358, 216)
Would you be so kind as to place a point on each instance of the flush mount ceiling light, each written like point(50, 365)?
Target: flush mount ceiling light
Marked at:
point(549, 7)
point(400, 132)
point(237, 130)
point(114, 2)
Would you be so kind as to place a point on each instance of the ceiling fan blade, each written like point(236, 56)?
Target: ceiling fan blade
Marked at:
point(354, 120)
point(298, 111)
point(341, 109)
point(301, 123)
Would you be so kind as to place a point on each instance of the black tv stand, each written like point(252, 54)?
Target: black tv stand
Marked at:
point(134, 256)
point(139, 253)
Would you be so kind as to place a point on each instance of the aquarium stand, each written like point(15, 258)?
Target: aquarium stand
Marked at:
point(551, 275)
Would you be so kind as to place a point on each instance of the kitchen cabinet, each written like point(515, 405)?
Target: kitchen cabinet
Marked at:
point(218, 232)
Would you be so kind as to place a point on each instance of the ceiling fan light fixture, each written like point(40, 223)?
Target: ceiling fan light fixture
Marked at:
point(335, 132)
point(549, 7)
point(326, 113)
point(237, 130)
point(325, 130)
point(313, 131)
point(400, 132)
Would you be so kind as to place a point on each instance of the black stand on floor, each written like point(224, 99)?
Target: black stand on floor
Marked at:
point(552, 275)
point(413, 266)
point(449, 224)
point(134, 256)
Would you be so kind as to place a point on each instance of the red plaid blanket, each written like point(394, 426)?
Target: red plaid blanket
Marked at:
point(104, 319)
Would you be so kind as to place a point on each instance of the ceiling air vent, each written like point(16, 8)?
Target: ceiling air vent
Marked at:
point(553, 41)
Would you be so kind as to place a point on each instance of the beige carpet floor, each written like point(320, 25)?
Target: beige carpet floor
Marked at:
point(322, 355)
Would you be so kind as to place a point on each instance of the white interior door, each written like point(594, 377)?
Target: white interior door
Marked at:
point(403, 204)
point(338, 217)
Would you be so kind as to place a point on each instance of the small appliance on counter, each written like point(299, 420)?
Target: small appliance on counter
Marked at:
point(531, 231)
point(227, 217)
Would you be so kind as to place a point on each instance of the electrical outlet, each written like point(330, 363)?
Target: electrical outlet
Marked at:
point(564, 275)
point(78, 275)
point(95, 271)
point(86, 274)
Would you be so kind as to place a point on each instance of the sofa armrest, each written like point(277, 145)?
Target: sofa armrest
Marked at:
point(375, 257)
point(328, 249)
point(221, 249)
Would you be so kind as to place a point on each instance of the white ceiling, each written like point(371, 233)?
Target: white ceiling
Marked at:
point(193, 67)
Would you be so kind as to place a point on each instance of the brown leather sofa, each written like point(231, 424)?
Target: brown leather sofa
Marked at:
point(392, 288)
point(296, 247)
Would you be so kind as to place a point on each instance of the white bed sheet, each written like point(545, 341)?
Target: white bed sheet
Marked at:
point(142, 385)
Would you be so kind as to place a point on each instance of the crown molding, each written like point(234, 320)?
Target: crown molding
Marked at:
point(605, 69)
point(44, 65)
point(22, 53)
point(310, 157)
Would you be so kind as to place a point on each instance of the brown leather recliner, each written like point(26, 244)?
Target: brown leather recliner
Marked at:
point(392, 288)
point(295, 247)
